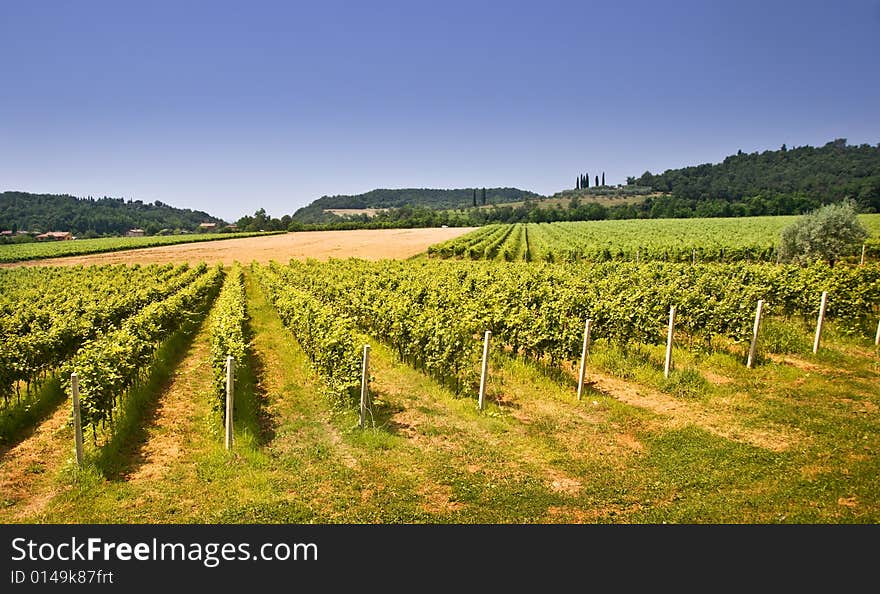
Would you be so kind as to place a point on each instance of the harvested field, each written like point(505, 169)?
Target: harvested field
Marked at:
point(370, 244)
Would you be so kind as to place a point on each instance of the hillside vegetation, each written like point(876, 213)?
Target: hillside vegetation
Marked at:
point(93, 216)
point(781, 182)
point(785, 181)
point(434, 199)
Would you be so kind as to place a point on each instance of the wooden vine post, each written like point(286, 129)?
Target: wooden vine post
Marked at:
point(365, 385)
point(821, 321)
point(77, 419)
point(862, 260)
point(585, 350)
point(668, 364)
point(485, 371)
point(877, 338)
point(754, 346)
point(229, 395)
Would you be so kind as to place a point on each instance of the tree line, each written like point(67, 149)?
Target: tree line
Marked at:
point(785, 181)
point(583, 181)
point(93, 217)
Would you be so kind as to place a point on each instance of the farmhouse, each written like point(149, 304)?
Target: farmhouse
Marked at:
point(207, 226)
point(134, 233)
point(54, 236)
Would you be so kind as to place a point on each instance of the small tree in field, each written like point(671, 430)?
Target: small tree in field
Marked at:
point(828, 233)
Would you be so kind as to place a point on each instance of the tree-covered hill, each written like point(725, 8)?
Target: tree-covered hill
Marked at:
point(435, 199)
point(90, 216)
point(784, 181)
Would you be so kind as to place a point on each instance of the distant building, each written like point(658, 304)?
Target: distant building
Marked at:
point(207, 226)
point(232, 227)
point(6, 233)
point(54, 236)
point(134, 233)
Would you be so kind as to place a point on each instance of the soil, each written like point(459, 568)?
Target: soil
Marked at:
point(369, 244)
point(173, 422)
point(677, 413)
point(27, 470)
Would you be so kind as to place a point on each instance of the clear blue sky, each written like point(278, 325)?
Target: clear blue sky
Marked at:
point(229, 106)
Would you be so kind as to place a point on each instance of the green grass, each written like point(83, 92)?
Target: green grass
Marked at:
point(19, 252)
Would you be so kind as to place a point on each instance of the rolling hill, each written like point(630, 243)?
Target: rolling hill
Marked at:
point(321, 209)
point(784, 181)
point(93, 217)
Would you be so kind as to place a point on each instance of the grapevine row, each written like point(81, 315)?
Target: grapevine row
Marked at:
point(672, 240)
point(228, 329)
point(39, 336)
point(434, 313)
point(329, 339)
point(109, 365)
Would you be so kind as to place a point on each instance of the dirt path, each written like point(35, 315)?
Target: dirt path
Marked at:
point(28, 470)
point(172, 428)
point(369, 244)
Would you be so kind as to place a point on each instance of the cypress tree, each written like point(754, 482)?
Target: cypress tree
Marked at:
point(597, 181)
point(577, 185)
point(484, 196)
point(586, 180)
point(475, 196)
point(603, 178)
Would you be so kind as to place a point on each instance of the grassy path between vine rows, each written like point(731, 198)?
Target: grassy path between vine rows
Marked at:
point(793, 440)
point(28, 469)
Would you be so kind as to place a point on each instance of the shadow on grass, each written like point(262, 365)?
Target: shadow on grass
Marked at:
point(123, 452)
point(379, 415)
point(557, 374)
point(19, 421)
point(251, 413)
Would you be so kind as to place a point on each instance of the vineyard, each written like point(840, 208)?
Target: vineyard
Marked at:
point(673, 240)
point(159, 357)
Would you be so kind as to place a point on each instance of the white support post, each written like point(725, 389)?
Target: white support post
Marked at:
point(585, 350)
point(365, 382)
point(821, 321)
point(693, 256)
point(669, 334)
point(230, 385)
point(77, 419)
point(877, 338)
point(862, 260)
point(485, 371)
point(754, 346)
point(637, 255)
